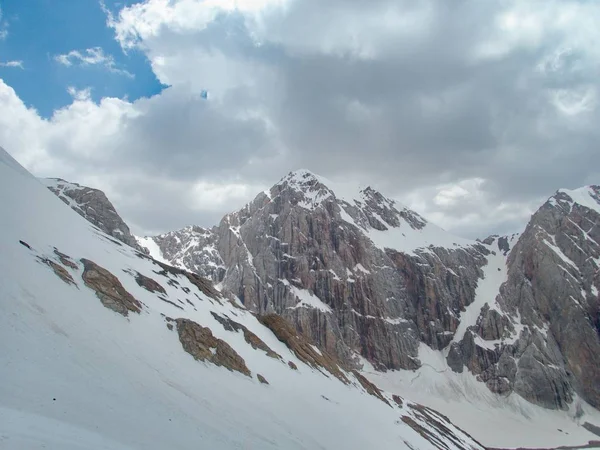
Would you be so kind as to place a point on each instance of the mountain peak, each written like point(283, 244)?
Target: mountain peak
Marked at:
point(301, 174)
point(302, 179)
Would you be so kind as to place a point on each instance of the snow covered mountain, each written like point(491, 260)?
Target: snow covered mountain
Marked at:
point(382, 289)
point(335, 262)
point(105, 348)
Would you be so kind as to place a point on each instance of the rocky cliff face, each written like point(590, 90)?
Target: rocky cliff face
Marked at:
point(354, 271)
point(93, 205)
point(541, 337)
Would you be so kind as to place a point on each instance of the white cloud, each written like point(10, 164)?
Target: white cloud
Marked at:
point(17, 64)
point(142, 21)
point(91, 57)
point(80, 94)
point(451, 194)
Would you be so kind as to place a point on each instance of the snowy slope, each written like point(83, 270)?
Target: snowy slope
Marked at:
point(76, 375)
point(495, 421)
point(153, 249)
point(494, 274)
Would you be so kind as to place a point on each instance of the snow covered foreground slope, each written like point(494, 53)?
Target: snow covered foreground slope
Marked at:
point(78, 375)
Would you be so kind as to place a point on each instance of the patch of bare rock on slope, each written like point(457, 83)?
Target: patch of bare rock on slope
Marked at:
point(437, 426)
point(109, 289)
point(249, 336)
point(204, 285)
point(59, 270)
point(149, 284)
point(199, 342)
point(301, 346)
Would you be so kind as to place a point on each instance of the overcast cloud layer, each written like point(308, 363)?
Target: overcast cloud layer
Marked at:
point(470, 112)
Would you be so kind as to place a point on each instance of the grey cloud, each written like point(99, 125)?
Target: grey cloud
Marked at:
point(482, 120)
point(187, 137)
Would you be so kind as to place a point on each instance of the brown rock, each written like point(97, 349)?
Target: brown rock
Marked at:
point(149, 284)
point(262, 379)
point(398, 400)
point(199, 342)
point(201, 283)
point(292, 365)
point(65, 260)
point(301, 346)
point(432, 425)
point(371, 388)
point(249, 336)
point(109, 289)
point(59, 270)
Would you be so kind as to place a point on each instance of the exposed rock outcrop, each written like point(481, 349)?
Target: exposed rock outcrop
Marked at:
point(249, 336)
point(437, 429)
point(204, 285)
point(262, 379)
point(149, 284)
point(371, 388)
point(199, 342)
point(302, 347)
point(59, 270)
point(109, 289)
point(65, 260)
point(93, 205)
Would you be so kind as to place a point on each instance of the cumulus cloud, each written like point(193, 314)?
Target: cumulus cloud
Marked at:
point(471, 113)
point(94, 56)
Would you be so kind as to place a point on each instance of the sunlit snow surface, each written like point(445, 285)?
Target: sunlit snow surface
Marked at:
point(76, 375)
point(148, 243)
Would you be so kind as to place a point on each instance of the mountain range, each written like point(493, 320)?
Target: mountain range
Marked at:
point(316, 316)
point(366, 278)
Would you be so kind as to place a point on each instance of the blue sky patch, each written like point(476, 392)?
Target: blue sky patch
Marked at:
point(38, 31)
